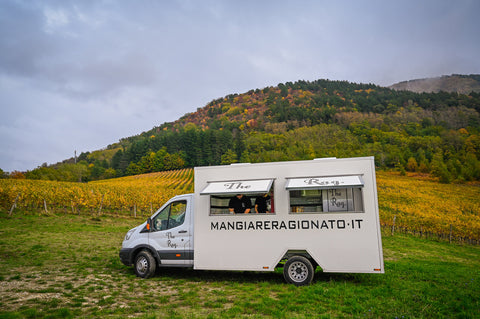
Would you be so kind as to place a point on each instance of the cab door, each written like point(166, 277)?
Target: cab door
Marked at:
point(171, 234)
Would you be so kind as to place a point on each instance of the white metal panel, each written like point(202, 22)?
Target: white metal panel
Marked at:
point(324, 182)
point(338, 241)
point(238, 187)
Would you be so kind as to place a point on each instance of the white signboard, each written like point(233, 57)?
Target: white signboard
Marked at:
point(324, 182)
point(238, 187)
point(336, 200)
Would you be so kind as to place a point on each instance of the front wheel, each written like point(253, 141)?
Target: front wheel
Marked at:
point(145, 264)
point(298, 270)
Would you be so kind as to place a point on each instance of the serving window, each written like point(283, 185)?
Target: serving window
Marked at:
point(325, 194)
point(240, 197)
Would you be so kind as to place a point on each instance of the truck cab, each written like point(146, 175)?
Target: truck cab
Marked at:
point(164, 240)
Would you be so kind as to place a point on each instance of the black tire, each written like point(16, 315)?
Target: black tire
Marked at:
point(298, 270)
point(145, 264)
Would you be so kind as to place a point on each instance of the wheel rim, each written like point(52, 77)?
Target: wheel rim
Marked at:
point(142, 265)
point(298, 271)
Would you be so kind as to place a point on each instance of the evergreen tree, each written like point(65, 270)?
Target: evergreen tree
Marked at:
point(229, 157)
point(439, 168)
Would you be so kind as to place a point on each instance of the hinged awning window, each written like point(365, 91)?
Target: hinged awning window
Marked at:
point(324, 182)
point(238, 187)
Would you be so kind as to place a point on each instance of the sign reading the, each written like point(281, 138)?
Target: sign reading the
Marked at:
point(234, 187)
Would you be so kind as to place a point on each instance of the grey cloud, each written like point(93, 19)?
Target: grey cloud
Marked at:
point(82, 74)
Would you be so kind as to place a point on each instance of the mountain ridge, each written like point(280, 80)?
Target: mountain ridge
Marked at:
point(455, 83)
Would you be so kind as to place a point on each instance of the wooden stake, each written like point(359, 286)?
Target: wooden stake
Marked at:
point(14, 205)
point(101, 204)
point(450, 236)
point(393, 225)
point(45, 205)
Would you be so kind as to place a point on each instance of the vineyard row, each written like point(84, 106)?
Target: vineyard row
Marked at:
point(141, 194)
point(416, 206)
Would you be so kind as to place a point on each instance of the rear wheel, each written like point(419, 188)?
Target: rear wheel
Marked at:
point(298, 270)
point(145, 264)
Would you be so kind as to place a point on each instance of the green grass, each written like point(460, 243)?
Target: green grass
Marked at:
point(67, 266)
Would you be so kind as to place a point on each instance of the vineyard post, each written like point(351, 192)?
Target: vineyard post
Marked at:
point(450, 236)
point(45, 205)
point(134, 210)
point(101, 203)
point(14, 205)
point(393, 225)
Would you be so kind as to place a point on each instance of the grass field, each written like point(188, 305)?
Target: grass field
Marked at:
point(67, 266)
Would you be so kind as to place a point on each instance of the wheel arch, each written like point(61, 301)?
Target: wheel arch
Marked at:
point(300, 252)
point(139, 248)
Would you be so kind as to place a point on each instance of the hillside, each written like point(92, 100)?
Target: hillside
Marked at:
point(454, 83)
point(435, 133)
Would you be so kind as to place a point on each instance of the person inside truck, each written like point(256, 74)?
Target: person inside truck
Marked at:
point(261, 204)
point(240, 204)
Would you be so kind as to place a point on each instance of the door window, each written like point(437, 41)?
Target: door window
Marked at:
point(171, 216)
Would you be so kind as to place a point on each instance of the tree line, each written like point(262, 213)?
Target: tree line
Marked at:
point(435, 133)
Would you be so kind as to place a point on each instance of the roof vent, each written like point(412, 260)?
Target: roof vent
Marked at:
point(324, 158)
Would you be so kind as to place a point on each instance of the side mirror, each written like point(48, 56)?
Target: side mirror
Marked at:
point(149, 224)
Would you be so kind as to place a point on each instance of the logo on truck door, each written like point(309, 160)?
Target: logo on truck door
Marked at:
point(169, 240)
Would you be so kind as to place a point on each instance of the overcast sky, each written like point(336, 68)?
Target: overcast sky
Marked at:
point(79, 75)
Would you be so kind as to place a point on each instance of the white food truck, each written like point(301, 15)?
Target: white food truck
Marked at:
point(297, 215)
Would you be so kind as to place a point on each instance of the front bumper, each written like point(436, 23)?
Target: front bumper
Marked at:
point(126, 256)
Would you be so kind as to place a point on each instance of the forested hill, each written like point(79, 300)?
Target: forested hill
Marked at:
point(436, 133)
